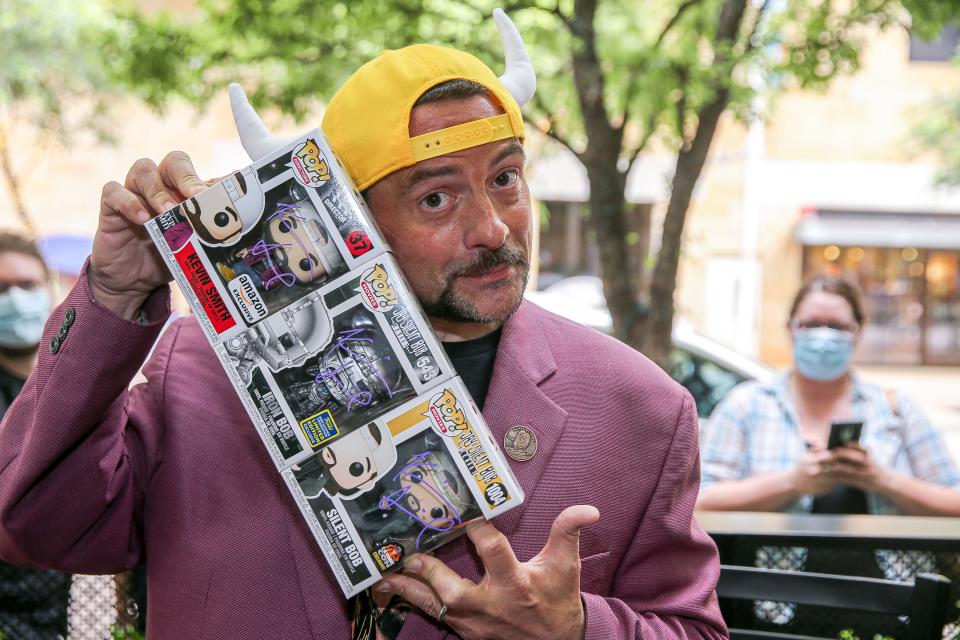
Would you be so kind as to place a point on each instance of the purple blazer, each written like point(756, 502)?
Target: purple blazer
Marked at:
point(95, 479)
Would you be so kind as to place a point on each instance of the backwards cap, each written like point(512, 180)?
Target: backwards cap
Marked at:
point(367, 121)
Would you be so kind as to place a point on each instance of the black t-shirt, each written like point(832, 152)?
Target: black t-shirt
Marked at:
point(473, 361)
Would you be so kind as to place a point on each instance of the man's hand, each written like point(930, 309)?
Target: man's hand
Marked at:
point(854, 466)
point(125, 267)
point(814, 474)
point(538, 599)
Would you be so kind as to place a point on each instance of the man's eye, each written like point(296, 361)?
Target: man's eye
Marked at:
point(435, 200)
point(507, 179)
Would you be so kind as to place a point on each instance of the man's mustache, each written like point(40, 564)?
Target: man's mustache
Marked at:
point(488, 260)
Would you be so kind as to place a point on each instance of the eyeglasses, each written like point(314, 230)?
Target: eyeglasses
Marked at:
point(817, 324)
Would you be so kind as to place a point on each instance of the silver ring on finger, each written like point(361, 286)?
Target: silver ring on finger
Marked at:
point(443, 613)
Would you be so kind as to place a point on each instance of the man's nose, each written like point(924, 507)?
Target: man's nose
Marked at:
point(486, 228)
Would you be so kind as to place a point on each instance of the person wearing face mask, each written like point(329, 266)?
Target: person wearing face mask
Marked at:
point(34, 605)
point(24, 306)
point(765, 446)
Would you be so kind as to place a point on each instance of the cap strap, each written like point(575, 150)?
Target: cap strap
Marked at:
point(462, 136)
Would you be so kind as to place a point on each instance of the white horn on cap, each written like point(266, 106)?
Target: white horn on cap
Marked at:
point(519, 77)
point(256, 140)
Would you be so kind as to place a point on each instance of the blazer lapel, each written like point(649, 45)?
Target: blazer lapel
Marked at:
point(524, 361)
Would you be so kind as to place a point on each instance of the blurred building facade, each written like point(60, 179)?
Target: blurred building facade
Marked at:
point(831, 182)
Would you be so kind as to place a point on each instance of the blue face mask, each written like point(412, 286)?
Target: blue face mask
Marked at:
point(822, 354)
point(23, 313)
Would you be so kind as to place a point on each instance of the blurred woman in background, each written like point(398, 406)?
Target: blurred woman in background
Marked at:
point(765, 446)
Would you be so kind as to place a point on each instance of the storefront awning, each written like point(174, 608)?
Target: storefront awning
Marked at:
point(869, 229)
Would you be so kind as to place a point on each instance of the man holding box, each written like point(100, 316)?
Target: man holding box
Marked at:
point(166, 474)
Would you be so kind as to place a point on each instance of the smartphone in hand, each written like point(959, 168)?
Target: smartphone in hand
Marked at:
point(844, 433)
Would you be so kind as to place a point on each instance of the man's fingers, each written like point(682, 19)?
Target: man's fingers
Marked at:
point(414, 591)
point(144, 181)
point(564, 540)
point(178, 174)
point(114, 198)
point(499, 561)
point(213, 181)
point(444, 581)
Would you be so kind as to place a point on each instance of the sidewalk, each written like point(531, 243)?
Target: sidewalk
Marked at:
point(936, 389)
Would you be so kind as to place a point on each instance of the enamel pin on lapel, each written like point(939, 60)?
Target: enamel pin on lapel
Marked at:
point(520, 443)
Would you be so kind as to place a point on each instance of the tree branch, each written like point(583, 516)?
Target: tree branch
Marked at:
point(641, 69)
point(588, 77)
point(552, 132)
point(553, 135)
point(632, 84)
point(13, 185)
point(680, 107)
point(731, 15)
point(755, 27)
point(564, 20)
point(674, 20)
point(647, 135)
point(690, 162)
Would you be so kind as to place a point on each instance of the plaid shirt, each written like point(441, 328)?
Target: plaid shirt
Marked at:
point(755, 430)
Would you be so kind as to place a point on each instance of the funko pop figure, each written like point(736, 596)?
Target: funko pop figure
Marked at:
point(296, 249)
point(429, 494)
point(282, 340)
point(356, 370)
point(221, 214)
point(351, 465)
point(301, 245)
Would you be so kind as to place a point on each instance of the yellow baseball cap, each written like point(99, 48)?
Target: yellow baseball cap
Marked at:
point(367, 121)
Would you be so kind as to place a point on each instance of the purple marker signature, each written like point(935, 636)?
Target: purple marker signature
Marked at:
point(353, 358)
point(288, 214)
point(263, 250)
point(419, 498)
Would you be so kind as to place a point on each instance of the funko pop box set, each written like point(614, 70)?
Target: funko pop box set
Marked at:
point(378, 440)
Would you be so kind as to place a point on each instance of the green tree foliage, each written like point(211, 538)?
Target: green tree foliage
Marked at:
point(52, 80)
point(615, 76)
point(939, 131)
point(125, 632)
point(938, 126)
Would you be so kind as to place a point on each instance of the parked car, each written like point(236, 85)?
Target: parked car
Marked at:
point(706, 368)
